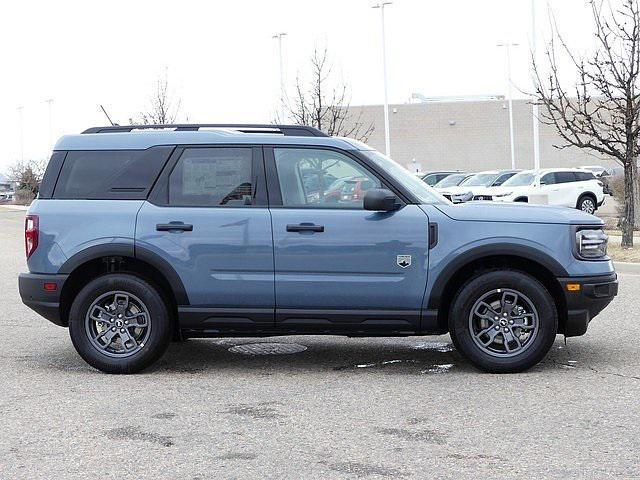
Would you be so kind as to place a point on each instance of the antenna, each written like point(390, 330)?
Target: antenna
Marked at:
point(108, 117)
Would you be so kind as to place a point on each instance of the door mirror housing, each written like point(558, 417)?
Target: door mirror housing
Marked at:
point(380, 200)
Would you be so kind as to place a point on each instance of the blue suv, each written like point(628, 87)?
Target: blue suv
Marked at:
point(144, 235)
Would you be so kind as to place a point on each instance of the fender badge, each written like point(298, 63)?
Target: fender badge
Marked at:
point(403, 261)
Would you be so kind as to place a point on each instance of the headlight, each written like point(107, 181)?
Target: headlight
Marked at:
point(591, 244)
point(502, 194)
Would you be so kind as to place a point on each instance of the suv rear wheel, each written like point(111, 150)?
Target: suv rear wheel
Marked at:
point(587, 204)
point(503, 321)
point(119, 323)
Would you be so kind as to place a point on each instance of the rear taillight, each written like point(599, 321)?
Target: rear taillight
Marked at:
point(31, 233)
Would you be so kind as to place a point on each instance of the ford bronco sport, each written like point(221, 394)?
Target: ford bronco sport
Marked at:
point(144, 235)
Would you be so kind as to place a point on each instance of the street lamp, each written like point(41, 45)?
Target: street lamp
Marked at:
point(49, 101)
point(507, 47)
point(21, 127)
point(387, 139)
point(279, 36)
point(536, 122)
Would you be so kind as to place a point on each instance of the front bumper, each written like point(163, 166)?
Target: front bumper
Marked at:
point(583, 304)
point(45, 302)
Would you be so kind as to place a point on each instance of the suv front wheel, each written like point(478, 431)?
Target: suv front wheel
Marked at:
point(503, 321)
point(119, 323)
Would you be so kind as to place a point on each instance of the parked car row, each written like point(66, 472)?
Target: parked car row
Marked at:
point(6, 197)
point(568, 187)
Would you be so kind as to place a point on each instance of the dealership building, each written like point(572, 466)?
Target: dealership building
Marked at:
point(467, 133)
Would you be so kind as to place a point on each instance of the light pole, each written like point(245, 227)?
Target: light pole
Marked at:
point(510, 100)
point(21, 127)
point(279, 36)
point(535, 110)
point(50, 103)
point(387, 139)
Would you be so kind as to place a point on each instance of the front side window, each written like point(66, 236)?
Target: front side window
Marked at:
point(314, 178)
point(548, 179)
point(502, 178)
point(520, 180)
point(212, 177)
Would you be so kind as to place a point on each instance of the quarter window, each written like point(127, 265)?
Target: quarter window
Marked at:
point(314, 178)
point(110, 174)
point(212, 177)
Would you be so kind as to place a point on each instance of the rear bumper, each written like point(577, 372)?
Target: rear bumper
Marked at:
point(44, 302)
point(583, 305)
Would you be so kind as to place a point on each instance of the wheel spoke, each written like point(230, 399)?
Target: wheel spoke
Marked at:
point(106, 335)
point(508, 301)
point(121, 300)
point(102, 314)
point(137, 320)
point(126, 337)
point(484, 310)
point(492, 333)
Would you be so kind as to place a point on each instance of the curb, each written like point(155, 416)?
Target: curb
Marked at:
point(23, 208)
point(627, 267)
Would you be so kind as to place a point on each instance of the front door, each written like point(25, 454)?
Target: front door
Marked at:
point(208, 218)
point(337, 265)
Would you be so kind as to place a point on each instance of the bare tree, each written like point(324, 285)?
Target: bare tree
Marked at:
point(601, 112)
point(163, 108)
point(28, 176)
point(324, 104)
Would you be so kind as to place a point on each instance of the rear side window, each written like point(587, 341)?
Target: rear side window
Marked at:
point(211, 177)
point(565, 177)
point(584, 176)
point(110, 174)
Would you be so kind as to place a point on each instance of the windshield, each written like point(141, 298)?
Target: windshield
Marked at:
point(415, 185)
point(520, 180)
point(480, 180)
point(451, 180)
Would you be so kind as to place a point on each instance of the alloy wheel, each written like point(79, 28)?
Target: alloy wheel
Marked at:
point(503, 322)
point(118, 324)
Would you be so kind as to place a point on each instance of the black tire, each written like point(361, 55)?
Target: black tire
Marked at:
point(148, 349)
point(587, 203)
point(492, 283)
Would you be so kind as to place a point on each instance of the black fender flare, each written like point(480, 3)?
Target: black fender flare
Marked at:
point(493, 250)
point(129, 250)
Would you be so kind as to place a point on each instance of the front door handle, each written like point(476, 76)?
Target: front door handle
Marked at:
point(305, 227)
point(174, 226)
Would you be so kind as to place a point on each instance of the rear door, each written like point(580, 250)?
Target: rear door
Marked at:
point(569, 188)
point(338, 266)
point(208, 217)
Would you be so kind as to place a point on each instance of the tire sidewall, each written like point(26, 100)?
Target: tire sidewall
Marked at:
point(155, 345)
point(473, 290)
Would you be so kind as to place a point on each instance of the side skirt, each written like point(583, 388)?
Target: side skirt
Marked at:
point(262, 322)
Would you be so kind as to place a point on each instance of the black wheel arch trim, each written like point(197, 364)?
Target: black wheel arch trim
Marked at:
point(132, 251)
point(493, 250)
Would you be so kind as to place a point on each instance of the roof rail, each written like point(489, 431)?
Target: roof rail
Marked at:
point(286, 130)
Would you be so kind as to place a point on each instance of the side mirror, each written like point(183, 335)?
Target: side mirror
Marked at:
point(380, 200)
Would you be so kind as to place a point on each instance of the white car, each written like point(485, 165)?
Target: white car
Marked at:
point(566, 187)
point(476, 184)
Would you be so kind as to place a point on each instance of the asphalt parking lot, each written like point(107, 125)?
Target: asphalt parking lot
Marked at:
point(342, 408)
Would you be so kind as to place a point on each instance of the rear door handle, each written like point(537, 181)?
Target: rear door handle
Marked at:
point(174, 226)
point(305, 227)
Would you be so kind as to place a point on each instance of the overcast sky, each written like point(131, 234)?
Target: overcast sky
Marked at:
point(222, 62)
